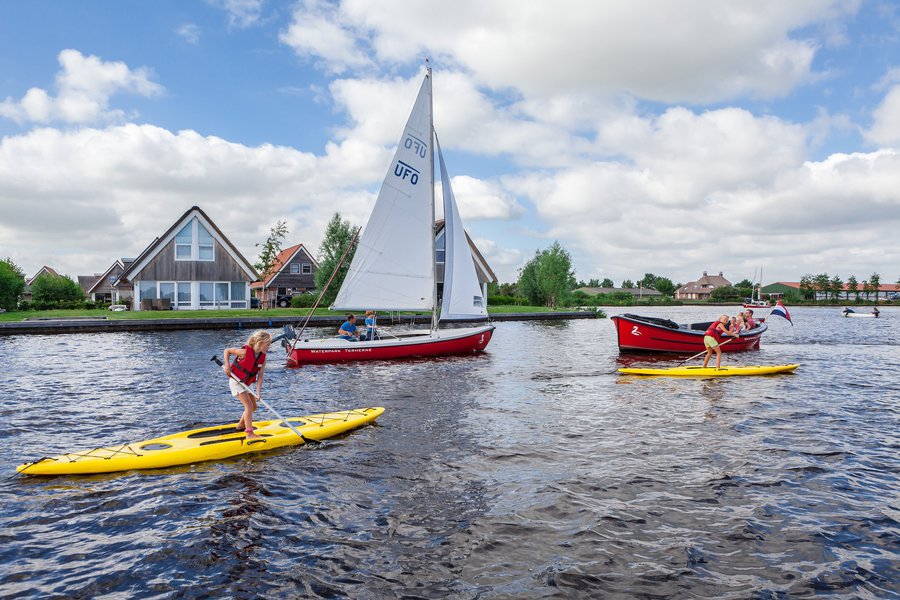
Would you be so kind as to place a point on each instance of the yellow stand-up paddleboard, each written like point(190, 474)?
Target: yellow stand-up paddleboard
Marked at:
point(712, 371)
point(209, 443)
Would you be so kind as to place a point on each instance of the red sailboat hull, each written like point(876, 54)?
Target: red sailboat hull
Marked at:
point(651, 334)
point(445, 342)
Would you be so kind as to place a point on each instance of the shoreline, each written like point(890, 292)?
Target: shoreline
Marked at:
point(63, 325)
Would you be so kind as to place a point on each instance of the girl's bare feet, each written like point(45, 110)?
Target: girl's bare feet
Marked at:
point(251, 435)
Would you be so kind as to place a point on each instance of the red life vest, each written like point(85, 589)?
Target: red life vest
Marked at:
point(714, 331)
point(247, 368)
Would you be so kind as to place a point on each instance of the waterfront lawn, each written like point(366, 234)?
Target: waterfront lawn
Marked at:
point(212, 314)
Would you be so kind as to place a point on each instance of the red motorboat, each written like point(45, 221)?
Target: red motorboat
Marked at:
point(652, 334)
point(442, 342)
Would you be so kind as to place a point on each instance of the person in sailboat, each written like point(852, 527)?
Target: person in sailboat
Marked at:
point(348, 330)
point(371, 332)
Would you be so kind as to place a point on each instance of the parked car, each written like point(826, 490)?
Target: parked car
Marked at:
point(893, 296)
point(254, 302)
point(284, 300)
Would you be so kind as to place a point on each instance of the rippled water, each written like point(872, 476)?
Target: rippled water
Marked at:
point(531, 471)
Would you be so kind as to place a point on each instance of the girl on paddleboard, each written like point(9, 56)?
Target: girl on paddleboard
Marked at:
point(714, 336)
point(248, 367)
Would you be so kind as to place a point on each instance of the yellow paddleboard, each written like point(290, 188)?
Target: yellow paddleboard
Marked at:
point(712, 371)
point(209, 443)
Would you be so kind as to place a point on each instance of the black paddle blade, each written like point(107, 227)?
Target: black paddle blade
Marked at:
point(217, 360)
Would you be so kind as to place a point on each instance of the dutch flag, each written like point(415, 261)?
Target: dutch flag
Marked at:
point(780, 310)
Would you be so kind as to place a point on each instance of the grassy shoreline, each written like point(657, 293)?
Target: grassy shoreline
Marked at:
point(297, 313)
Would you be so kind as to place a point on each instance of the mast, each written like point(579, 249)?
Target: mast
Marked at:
point(434, 308)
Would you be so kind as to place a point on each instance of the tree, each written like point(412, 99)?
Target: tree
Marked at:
point(725, 292)
point(807, 286)
point(853, 286)
point(338, 237)
point(594, 283)
point(875, 281)
point(745, 288)
point(867, 288)
point(56, 291)
point(548, 277)
point(12, 283)
point(649, 281)
point(268, 255)
point(836, 286)
point(664, 286)
point(628, 284)
point(822, 283)
point(608, 283)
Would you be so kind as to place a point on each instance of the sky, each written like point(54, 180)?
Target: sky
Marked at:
point(645, 136)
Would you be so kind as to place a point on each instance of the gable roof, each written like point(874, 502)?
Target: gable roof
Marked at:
point(283, 259)
point(159, 243)
point(480, 262)
point(87, 282)
point(44, 270)
point(705, 284)
point(124, 263)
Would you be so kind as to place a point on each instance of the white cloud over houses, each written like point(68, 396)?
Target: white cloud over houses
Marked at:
point(84, 85)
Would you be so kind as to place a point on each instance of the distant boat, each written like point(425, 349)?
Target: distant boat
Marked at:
point(849, 312)
point(652, 334)
point(757, 302)
point(393, 268)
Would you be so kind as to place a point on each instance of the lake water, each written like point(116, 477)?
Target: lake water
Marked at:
point(531, 471)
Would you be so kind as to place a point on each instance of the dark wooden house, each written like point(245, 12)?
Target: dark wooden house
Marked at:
point(103, 286)
point(190, 266)
point(482, 268)
point(294, 270)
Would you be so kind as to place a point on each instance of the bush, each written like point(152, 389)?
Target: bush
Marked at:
point(303, 300)
point(505, 301)
point(12, 282)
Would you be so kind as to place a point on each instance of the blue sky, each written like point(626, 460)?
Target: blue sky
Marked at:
point(644, 136)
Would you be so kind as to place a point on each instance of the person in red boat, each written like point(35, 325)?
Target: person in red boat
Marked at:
point(714, 336)
point(748, 318)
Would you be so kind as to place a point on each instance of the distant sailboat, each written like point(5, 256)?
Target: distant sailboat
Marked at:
point(757, 302)
point(393, 268)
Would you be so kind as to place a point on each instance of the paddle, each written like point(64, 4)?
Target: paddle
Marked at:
point(219, 362)
point(704, 352)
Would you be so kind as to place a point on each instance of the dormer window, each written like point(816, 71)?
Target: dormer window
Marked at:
point(194, 242)
point(440, 248)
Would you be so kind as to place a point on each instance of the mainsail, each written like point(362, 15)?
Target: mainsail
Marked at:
point(462, 296)
point(393, 268)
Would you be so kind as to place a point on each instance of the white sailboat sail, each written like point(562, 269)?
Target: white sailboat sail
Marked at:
point(393, 268)
point(462, 296)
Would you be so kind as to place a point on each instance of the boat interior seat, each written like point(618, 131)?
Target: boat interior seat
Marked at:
point(655, 320)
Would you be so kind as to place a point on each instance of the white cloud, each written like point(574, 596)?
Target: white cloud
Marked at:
point(190, 33)
point(317, 31)
point(479, 199)
point(574, 47)
point(886, 120)
point(241, 13)
point(103, 194)
point(85, 85)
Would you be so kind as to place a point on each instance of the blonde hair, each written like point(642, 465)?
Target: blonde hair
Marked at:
point(258, 339)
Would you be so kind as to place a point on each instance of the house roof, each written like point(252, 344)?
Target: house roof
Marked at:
point(283, 259)
point(87, 282)
point(124, 263)
point(159, 243)
point(479, 258)
point(42, 271)
point(706, 283)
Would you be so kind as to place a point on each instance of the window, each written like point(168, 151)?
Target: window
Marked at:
point(307, 269)
point(206, 294)
point(439, 248)
point(184, 294)
point(184, 240)
point(238, 294)
point(194, 242)
point(112, 279)
point(204, 243)
point(222, 293)
point(148, 289)
point(167, 290)
point(295, 268)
